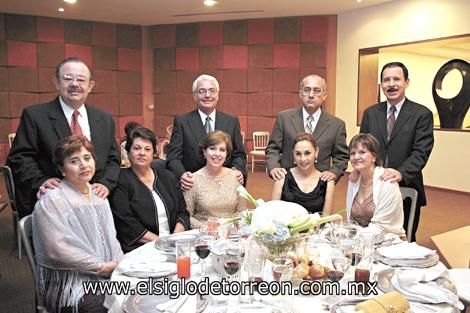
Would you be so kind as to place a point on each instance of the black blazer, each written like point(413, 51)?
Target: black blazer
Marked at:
point(183, 150)
point(134, 209)
point(410, 143)
point(41, 127)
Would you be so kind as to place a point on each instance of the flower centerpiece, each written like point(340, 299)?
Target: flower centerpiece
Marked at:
point(279, 225)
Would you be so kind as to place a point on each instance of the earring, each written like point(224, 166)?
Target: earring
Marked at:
point(316, 161)
point(295, 163)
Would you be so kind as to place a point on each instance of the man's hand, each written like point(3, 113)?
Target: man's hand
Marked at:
point(327, 176)
point(186, 181)
point(239, 176)
point(392, 175)
point(354, 176)
point(278, 173)
point(179, 228)
point(51, 183)
point(100, 190)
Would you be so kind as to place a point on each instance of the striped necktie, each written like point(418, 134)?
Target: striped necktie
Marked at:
point(207, 125)
point(309, 125)
point(391, 121)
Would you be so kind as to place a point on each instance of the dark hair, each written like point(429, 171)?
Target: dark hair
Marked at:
point(69, 60)
point(216, 137)
point(395, 64)
point(144, 133)
point(304, 137)
point(130, 127)
point(369, 142)
point(70, 145)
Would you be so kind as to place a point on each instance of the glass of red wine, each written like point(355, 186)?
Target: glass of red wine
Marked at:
point(232, 262)
point(203, 249)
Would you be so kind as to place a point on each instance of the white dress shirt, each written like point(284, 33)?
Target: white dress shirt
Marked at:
point(203, 118)
point(315, 115)
point(82, 117)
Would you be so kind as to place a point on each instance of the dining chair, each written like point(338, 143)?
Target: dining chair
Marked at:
point(260, 142)
point(243, 136)
point(10, 186)
point(169, 130)
point(11, 137)
point(26, 231)
point(407, 192)
point(162, 147)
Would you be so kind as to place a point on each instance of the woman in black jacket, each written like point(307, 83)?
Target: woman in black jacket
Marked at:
point(147, 202)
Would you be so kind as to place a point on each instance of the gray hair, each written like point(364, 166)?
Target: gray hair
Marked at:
point(205, 77)
point(313, 76)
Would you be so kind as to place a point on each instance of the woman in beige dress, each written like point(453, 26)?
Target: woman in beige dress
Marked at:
point(214, 193)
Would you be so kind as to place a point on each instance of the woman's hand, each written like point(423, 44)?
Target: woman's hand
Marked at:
point(179, 228)
point(107, 269)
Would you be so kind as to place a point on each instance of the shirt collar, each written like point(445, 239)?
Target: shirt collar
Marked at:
point(68, 111)
point(316, 114)
point(204, 115)
point(397, 106)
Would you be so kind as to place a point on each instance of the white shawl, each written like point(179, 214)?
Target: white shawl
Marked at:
point(73, 237)
point(388, 215)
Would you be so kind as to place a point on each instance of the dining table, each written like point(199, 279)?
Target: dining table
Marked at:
point(148, 256)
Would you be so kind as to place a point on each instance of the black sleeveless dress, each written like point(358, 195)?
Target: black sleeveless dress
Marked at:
point(312, 201)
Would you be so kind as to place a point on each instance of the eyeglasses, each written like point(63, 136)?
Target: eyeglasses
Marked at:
point(307, 91)
point(68, 79)
point(203, 92)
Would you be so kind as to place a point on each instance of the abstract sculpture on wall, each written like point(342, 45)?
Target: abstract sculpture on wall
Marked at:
point(452, 111)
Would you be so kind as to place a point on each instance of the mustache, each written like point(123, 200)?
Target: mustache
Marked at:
point(392, 89)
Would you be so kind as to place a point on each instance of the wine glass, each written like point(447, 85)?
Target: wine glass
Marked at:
point(280, 266)
point(232, 262)
point(203, 248)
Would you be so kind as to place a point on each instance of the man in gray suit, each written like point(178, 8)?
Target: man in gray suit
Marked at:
point(184, 156)
point(328, 131)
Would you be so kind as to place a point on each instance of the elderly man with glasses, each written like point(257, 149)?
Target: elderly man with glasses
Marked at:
point(43, 125)
point(328, 131)
point(183, 155)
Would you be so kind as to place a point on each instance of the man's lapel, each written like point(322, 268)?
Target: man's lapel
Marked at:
point(403, 116)
point(382, 120)
point(297, 121)
point(96, 128)
point(195, 123)
point(58, 120)
point(322, 125)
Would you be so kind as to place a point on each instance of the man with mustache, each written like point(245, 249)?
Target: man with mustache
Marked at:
point(328, 131)
point(404, 130)
point(43, 125)
point(184, 156)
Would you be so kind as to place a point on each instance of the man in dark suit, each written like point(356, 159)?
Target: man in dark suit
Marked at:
point(404, 130)
point(43, 125)
point(328, 131)
point(183, 154)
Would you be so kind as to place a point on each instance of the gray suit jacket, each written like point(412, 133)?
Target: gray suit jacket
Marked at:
point(410, 143)
point(183, 150)
point(329, 135)
point(41, 127)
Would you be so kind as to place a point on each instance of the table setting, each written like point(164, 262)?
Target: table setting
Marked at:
point(269, 245)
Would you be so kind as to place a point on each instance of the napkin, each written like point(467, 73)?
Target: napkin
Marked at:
point(383, 302)
point(428, 292)
point(424, 275)
point(461, 279)
point(405, 250)
point(172, 306)
point(144, 270)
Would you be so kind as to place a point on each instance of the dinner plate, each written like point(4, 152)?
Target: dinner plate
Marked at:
point(168, 243)
point(143, 303)
point(428, 261)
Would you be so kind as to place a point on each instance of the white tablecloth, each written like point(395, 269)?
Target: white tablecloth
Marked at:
point(297, 303)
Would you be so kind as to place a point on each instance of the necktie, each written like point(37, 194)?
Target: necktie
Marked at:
point(76, 129)
point(207, 125)
point(309, 125)
point(391, 121)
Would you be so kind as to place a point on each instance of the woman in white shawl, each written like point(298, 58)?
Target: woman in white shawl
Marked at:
point(73, 233)
point(371, 201)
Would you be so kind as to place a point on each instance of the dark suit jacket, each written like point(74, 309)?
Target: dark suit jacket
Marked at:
point(329, 135)
point(134, 208)
point(410, 143)
point(183, 150)
point(41, 127)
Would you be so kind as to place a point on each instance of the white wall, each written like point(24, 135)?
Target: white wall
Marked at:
point(393, 23)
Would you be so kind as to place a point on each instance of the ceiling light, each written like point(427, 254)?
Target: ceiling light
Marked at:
point(356, 1)
point(210, 3)
point(70, 1)
point(61, 10)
